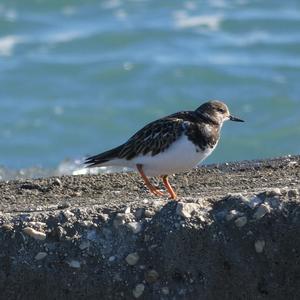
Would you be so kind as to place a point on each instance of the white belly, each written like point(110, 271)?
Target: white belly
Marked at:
point(179, 157)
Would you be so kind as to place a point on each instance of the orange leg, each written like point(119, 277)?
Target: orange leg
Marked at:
point(168, 187)
point(152, 188)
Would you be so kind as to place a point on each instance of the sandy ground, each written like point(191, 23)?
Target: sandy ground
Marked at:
point(118, 190)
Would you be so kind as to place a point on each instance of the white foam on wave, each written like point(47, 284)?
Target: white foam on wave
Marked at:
point(183, 21)
point(110, 4)
point(66, 167)
point(8, 44)
point(219, 3)
point(77, 167)
point(65, 36)
point(100, 170)
point(258, 37)
point(245, 39)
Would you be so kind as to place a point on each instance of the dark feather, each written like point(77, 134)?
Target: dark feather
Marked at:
point(153, 138)
point(101, 158)
point(157, 136)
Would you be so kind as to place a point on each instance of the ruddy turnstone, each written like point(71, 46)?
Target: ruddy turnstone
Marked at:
point(173, 144)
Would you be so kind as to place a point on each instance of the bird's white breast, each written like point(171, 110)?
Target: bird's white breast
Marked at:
point(181, 156)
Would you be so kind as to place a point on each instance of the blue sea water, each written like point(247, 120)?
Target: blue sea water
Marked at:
point(79, 77)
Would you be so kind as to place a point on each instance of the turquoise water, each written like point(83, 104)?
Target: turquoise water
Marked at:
point(79, 77)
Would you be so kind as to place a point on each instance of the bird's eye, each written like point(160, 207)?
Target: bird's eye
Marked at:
point(221, 110)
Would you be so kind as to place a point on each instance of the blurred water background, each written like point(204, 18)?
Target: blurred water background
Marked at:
point(78, 77)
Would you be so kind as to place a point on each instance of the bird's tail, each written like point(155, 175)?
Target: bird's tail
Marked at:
point(99, 159)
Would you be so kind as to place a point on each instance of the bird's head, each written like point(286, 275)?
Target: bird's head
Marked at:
point(217, 112)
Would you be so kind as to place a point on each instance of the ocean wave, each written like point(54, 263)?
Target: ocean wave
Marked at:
point(9, 15)
point(257, 37)
point(65, 36)
point(183, 21)
point(111, 4)
point(8, 44)
point(279, 14)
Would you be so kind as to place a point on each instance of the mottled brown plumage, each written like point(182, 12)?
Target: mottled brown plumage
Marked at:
point(145, 149)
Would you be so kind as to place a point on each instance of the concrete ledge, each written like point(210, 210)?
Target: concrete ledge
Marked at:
point(104, 237)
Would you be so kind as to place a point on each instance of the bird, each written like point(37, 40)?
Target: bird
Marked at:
point(172, 144)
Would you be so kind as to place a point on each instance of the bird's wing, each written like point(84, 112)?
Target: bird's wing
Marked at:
point(154, 137)
point(187, 116)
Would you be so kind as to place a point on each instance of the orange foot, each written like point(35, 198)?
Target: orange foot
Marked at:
point(169, 187)
point(149, 185)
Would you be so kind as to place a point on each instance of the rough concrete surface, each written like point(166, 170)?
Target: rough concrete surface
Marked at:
point(234, 233)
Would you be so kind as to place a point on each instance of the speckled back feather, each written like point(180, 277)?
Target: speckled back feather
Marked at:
point(201, 128)
point(159, 135)
point(153, 138)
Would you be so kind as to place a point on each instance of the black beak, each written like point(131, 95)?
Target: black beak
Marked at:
point(232, 118)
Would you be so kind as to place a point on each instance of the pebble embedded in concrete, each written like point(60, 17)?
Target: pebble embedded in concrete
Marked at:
point(112, 258)
point(273, 192)
point(119, 220)
point(149, 213)
point(254, 201)
point(151, 276)
point(38, 235)
point(88, 223)
point(40, 255)
point(7, 227)
point(74, 264)
point(165, 290)
point(132, 258)
point(135, 227)
point(261, 211)
point(37, 224)
point(103, 217)
point(138, 290)
point(186, 209)
point(233, 214)
point(241, 221)
point(68, 214)
point(259, 246)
